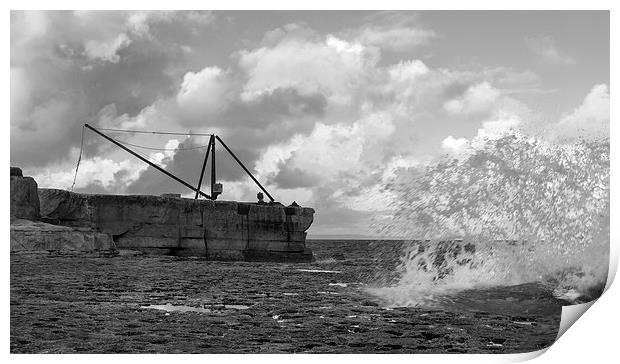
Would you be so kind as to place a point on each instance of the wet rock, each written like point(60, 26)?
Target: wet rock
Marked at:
point(369, 303)
point(429, 335)
point(58, 300)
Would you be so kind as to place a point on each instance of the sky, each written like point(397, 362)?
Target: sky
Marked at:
point(322, 106)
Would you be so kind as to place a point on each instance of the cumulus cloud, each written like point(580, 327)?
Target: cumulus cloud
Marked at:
point(495, 128)
point(330, 66)
point(103, 173)
point(333, 149)
point(504, 122)
point(589, 120)
point(477, 98)
point(204, 93)
point(454, 145)
point(407, 71)
point(546, 49)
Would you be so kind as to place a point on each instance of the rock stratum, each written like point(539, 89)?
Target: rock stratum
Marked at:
point(219, 230)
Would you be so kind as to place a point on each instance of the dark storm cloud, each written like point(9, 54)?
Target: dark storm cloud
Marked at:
point(277, 104)
point(269, 118)
point(48, 131)
point(146, 73)
point(272, 118)
point(247, 128)
point(187, 164)
point(66, 66)
point(291, 177)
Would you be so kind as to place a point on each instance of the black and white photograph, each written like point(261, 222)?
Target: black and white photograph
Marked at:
point(305, 181)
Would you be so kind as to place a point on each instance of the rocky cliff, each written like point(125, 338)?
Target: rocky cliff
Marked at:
point(29, 234)
point(59, 220)
point(24, 197)
point(179, 226)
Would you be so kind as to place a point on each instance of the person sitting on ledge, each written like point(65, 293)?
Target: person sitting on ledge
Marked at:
point(261, 198)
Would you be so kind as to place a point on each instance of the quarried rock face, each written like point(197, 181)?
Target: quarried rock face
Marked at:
point(24, 197)
point(67, 207)
point(170, 225)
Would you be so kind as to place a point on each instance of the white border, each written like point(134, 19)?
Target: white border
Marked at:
point(592, 339)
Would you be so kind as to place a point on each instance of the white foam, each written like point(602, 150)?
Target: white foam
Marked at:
point(178, 308)
point(182, 308)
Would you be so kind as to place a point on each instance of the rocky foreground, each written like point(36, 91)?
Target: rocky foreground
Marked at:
point(91, 304)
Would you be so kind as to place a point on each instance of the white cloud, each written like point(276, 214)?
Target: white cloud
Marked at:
point(332, 149)
point(477, 98)
point(138, 22)
point(104, 172)
point(205, 92)
point(405, 76)
point(590, 119)
point(499, 126)
point(106, 50)
point(344, 47)
point(495, 128)
point(370, 199)
point(154, 116)
point(397, 163)
point(340, 148)
point(548, 52)
point(332, 67)
point(407, 71)
point(454, 145)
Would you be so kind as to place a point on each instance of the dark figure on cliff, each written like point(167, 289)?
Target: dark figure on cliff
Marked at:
point(260, 197)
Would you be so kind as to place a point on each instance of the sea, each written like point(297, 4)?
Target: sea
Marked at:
point(351, 299)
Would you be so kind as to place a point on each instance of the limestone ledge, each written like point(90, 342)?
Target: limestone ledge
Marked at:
point(35, 236)
point(180, 226)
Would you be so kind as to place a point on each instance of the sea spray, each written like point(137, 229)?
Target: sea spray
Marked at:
point(510, 210)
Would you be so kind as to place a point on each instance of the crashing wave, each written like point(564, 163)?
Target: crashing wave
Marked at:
point(511, 210)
